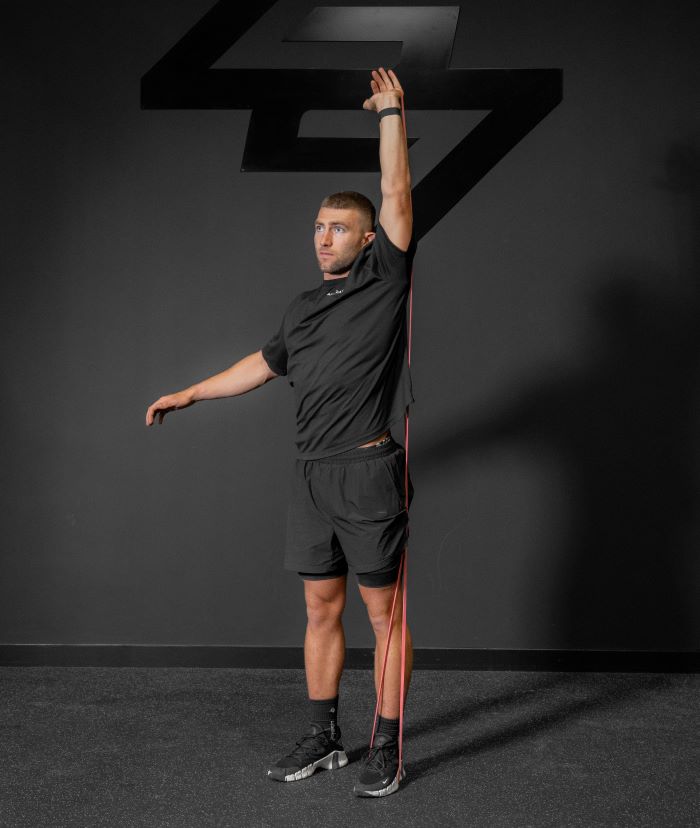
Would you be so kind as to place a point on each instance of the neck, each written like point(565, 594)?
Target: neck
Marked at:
point(327, 277)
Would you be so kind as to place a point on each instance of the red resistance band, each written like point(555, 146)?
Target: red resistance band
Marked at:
point(402, 574)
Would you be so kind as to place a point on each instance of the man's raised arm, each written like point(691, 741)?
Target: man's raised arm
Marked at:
point(396, 212)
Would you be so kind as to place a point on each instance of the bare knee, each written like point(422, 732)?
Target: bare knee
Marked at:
point(320, 613)
point(324, 607)
point(379, 611)
point(380, 619)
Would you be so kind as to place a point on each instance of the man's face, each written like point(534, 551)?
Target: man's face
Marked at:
point(339, 235)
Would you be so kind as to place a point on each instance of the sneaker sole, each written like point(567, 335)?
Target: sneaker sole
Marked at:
point(336, 759)
point(394, 786)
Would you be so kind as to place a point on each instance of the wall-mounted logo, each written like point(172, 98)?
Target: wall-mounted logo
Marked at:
point(517, 99)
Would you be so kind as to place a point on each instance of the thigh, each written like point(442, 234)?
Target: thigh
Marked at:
point(369, 518)
point(311, 544)
point(380, 599)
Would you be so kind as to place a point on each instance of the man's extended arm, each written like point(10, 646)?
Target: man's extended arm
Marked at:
point(243, 376)
point(396, 213)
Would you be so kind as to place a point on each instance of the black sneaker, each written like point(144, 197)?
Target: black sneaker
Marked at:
point(315, 749)
point(379, 772)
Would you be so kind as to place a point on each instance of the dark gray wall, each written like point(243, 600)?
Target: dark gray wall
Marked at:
point(555, 446)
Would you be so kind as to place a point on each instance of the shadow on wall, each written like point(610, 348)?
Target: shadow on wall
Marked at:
point(625, 428)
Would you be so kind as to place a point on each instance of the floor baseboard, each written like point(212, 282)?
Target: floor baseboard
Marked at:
point(138, 655)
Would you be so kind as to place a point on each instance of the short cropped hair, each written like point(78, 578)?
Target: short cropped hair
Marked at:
point(350, 200)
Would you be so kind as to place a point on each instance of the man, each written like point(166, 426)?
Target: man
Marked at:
point(342, 346)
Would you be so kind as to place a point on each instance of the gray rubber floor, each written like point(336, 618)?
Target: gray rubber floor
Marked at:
point(190, 747)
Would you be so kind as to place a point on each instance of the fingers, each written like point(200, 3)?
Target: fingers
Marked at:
point(384, 81)
point(159, 409)
point(151, 414)
point(379, 81)
point(395, 80)
point(388, 83)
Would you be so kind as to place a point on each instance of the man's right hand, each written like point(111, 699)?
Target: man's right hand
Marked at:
point(168, 403)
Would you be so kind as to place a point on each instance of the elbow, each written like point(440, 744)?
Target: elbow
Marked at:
point(397, 188)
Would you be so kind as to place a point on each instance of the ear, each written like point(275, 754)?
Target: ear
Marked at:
point(369, 236)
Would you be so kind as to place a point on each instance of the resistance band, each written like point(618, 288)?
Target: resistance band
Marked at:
point(402, 573)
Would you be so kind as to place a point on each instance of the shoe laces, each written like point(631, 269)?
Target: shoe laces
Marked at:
point(376, 758)
point(303, 747)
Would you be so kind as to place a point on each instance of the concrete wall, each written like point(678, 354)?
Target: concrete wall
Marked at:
point(554, 442)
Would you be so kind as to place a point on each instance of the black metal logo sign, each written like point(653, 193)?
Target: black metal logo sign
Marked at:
point(518, 99)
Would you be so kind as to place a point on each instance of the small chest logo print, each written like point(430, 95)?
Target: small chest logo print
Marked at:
point(334, 292)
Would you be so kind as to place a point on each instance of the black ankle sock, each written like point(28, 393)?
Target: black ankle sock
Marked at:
point(389, 727)
point(324, 713)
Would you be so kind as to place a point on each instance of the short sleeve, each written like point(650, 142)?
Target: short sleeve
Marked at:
point(388, 260)
point(275, 352)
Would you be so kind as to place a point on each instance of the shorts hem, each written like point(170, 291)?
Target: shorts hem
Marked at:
point(300, 566)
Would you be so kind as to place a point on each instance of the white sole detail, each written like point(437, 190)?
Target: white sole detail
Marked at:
point(389, 788)
point(336, 759)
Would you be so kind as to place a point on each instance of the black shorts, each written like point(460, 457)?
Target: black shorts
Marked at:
point(348, 509)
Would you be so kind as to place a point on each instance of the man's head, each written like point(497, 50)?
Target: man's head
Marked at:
point(343, 226)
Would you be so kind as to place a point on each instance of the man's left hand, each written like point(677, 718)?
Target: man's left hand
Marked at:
point(386, 90)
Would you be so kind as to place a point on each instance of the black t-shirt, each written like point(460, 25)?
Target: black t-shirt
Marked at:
point(343, 348)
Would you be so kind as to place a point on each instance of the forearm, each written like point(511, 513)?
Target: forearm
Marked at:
point(243, 376)
point(393, 153)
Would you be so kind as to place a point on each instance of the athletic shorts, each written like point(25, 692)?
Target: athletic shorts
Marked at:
point(348, 510)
